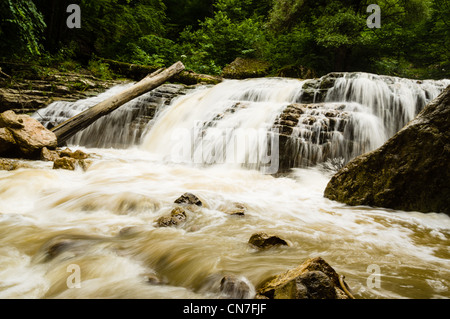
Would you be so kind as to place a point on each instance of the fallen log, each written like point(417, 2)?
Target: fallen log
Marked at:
point(137, 71)
point(79, 122)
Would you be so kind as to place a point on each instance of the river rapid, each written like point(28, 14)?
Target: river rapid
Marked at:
point(93, 234)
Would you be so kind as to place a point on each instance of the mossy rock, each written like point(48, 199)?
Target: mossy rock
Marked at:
point(246, 68)
point(409, 172)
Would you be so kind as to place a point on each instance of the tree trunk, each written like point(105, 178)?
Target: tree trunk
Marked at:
point(79, 122)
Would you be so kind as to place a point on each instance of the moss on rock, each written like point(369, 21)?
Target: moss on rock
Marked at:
point(409, 172)
point(246, 68)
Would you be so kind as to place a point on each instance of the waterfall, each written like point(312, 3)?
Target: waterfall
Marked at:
point(230, 123)
point(284, 123)
point(120, 129)
point(265, 123)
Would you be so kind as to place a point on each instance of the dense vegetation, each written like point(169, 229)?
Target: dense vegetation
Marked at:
point(321, 35)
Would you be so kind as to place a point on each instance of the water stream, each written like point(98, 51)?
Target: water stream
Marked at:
point(101, 222)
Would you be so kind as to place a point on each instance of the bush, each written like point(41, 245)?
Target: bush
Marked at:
point(151, 50)
point(100, 69)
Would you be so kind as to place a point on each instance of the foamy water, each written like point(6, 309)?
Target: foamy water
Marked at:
point(93, 234)
point(92, 212)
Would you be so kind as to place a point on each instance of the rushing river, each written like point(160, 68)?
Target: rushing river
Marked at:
point(100, 225)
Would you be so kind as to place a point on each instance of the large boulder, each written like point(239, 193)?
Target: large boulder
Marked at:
point(33, 136)
point(314, 279)
point(409, 172)
point(24, 135)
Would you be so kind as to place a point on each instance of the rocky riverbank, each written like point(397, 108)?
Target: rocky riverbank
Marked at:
point(25, 88)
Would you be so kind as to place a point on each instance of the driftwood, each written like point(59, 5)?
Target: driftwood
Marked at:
point(79, 122)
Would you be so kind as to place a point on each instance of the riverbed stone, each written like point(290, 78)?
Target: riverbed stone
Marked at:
point(176, 216)
point(189, 199)
point(409, 172)
point(237, 210)
point(235, 287)
point(314, 279)
point(263, 240)
point(49, 155)
point(66, 163)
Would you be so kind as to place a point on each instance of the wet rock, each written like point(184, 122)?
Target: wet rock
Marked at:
point(235, 288)
point(49, 155)
point(10, 164)
point(237, 210)
point(67, 244)
point(189, 199)
point(84, 164)
point(152, 279)
point(264, 241)
point(409, 172)
point(176, 216)
point(66, 163)
point(66, 159)
point(78, 154)
point(314, 279)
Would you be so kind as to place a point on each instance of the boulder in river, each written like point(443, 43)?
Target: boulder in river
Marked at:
point(176, 216)
point(409, 172)
point(314, 279)
point(264, 241)
point(188, 199)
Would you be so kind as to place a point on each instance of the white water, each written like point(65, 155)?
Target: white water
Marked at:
point(104, 219)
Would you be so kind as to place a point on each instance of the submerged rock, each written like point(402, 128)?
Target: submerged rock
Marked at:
point(314, 279)
point(237, 210)
point(235, 288)
point(65, 163)
point(264, 241)
point(176, 216)
point(69, 163)
point(409, 172)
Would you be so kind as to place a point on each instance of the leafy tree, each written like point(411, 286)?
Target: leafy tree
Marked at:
point(222, 38)
point(21, 27)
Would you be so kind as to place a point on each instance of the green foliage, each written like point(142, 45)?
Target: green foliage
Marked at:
point(221, 39)
point(21, 26)
point(100, 69)
point(109, 25)
point(322, 35)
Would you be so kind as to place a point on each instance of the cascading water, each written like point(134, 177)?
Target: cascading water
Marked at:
point(122, 128)
point(102, 222)
point(241, 121)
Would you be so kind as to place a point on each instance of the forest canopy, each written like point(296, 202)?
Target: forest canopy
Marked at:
point(206, 35)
